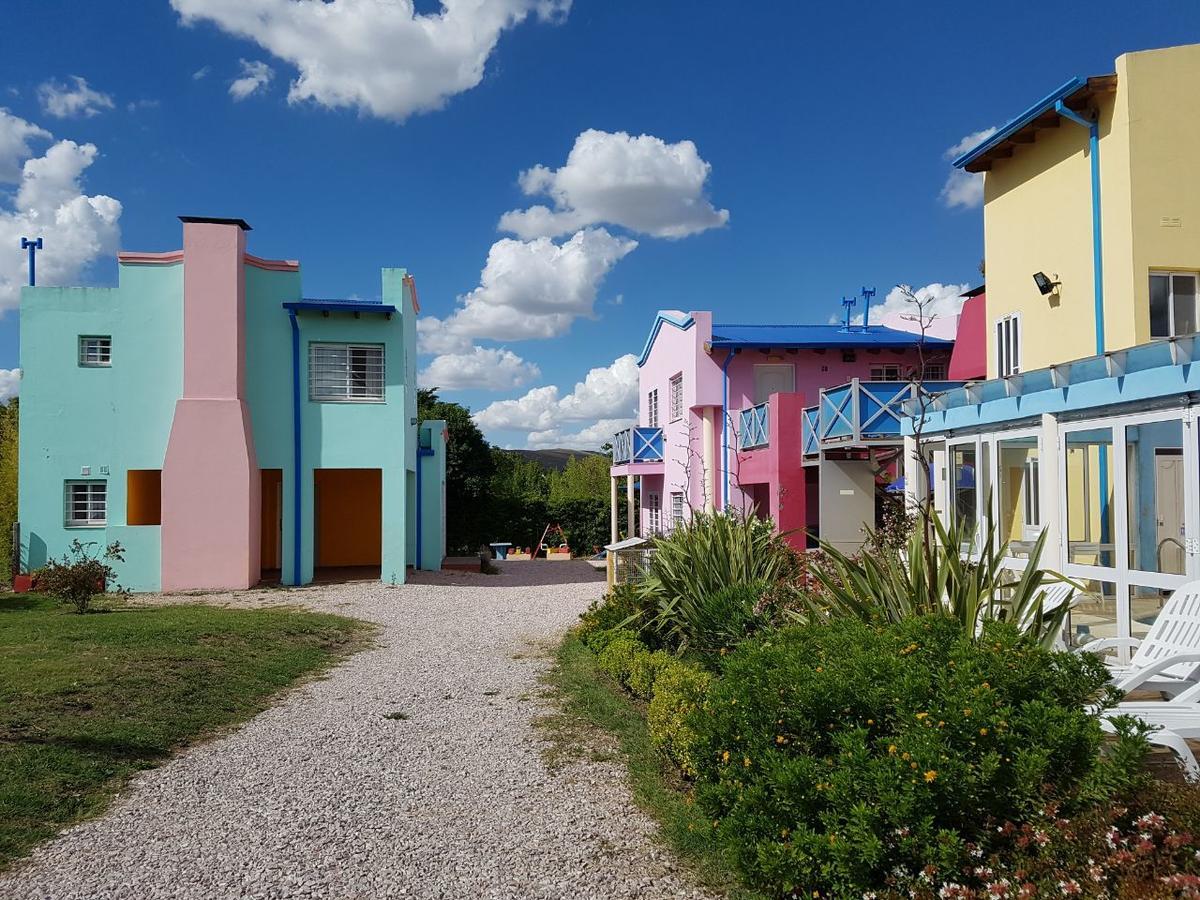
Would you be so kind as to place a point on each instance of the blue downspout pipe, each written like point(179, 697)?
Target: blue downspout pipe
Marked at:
point(725, 429)
point(297, 520)
point(1093, 129)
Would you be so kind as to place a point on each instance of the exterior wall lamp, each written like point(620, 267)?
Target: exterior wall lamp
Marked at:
point(1045, 283)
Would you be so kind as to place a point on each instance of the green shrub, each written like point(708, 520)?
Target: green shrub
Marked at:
point(699, 561)
point(834, 757)
point(616, 659)
point(622, 607)
point(678, 694)
point(644, 670)
point(81, 574)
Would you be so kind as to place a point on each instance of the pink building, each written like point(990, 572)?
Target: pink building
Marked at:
point(722, 411)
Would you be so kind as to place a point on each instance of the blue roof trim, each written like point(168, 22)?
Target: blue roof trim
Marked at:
point(817, 336)
point(1160, 370)
point(1046, 103)
point(683, 324)
point(349, 306)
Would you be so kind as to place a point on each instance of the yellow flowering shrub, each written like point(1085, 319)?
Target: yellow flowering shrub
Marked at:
point(679, 692)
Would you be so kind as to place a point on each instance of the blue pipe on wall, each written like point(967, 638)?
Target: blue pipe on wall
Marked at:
point(296, 470)
point(1097, 244)
point(725, 428)
point(1098, 278)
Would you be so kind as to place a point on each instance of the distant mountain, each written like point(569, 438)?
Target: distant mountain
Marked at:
point(553, 459)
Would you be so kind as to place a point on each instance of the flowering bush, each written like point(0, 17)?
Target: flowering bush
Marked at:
point(844, 757)
point(679, 692)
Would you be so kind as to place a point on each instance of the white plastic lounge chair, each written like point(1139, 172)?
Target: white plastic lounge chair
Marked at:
point(1167, 659)
point(1175, 721)
point(1054, 594)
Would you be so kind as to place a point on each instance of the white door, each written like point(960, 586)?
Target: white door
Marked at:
point(1168, 511)
point(773, 379)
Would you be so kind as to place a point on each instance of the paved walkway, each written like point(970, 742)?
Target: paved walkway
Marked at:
point(325, 796)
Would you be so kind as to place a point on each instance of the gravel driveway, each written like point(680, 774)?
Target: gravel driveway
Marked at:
point(323, 795)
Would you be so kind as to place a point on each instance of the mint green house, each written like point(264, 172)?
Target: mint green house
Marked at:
point(222, 427)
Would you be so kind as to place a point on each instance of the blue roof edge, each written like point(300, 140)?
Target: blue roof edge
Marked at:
point(338, 306)
point(683, 324)
point(1014, 125)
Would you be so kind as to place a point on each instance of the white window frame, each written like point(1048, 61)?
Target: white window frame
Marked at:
point(675, 398)
point(1033, 502)
point(654, 512)
point(1008, 360)
point(336, 384)
point(934, 371)
point(1171, 276)
point(95, 351)
point(652, 408)
point(677, 506)
point(94, 502)
point(888, 371)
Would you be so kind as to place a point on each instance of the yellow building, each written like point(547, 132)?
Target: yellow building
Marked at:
point(1118, 150)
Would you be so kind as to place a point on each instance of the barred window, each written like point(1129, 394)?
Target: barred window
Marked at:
point(86, 503)
point(345, 372)
point(95, 350)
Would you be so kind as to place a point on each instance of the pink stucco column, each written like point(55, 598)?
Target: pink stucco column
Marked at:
point(211, 501)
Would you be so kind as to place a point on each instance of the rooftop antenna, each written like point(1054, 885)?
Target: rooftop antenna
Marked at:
point(848, 302)
point(867, 294)
point(33, 247)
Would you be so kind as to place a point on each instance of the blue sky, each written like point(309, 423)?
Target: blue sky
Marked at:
point(824, 128)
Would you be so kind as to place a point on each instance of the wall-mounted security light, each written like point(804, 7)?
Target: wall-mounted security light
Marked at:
point(1045, 284)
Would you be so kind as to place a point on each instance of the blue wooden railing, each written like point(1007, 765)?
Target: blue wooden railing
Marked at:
point(861, 412)
point(637, 445)
point(755, 428)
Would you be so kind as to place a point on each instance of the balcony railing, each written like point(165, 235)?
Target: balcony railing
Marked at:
point(861, 412)
point(755, 428)
point(637, 445)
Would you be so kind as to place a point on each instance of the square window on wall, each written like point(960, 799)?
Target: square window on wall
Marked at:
point(1173, 310)
point(95, 350)
point(345, 373)
point(85, 503)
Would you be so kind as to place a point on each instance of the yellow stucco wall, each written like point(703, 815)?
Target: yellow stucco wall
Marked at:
point(1038, 214)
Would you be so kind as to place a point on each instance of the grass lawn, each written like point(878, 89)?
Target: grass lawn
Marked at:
point(592, 704)
point(88, 700)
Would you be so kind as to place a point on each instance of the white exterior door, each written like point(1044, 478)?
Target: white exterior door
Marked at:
point(1169, 506)
point(773, 379)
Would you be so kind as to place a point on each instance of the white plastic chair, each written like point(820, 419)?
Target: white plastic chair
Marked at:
point(1174, 722)
point(1167, 659)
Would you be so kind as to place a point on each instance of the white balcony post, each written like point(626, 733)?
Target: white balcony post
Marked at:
point(914, 481)
point(613, 502)
point(629, 504)
point(710, 468)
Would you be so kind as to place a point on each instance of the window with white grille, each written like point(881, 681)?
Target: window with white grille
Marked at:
point(676, 509)
point(654, 513)
point(935, 371)
point(887, 372)
point(1008, 346)
point(345, 372)
point(676, 399)
point(95, 350)
point(652, 409)
point(86, 503)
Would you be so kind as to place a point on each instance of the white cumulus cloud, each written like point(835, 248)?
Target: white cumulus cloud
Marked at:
point(15, 137)
point(255, 76)
point(49, 203)
point(528, 289)
point(641, 183)
point(606, 393)
point(593, 437)
point(380, 57)
point(10, 383)
point(491, 368)
point(64, 101)
point(898, 310)
point(963, 188)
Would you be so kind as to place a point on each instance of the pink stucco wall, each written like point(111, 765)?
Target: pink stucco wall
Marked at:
point(970, 358)
point(210, 480)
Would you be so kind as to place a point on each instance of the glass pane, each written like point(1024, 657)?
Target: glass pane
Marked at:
point(1016, 494)
point(1145, 603)
point(962, 481)
point(1160, 308)
point(1094, 614)
point(1016, 346)
point(1155, 489)
point(1183, 289)
point(1090, 497)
